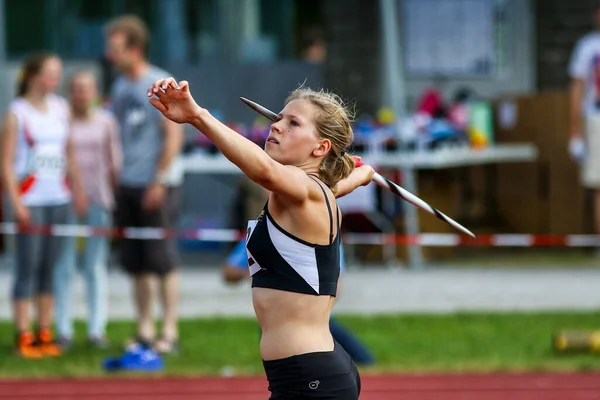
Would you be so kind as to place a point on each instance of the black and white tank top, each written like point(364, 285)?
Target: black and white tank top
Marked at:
point(280, 260)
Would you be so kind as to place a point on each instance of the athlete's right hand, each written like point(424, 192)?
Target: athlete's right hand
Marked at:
point(22, 214)
point(174, 100)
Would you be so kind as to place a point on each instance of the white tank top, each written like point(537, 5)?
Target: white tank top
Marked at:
point(40, 157)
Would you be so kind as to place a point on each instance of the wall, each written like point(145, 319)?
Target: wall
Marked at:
point(520, 77)
point(354, 67)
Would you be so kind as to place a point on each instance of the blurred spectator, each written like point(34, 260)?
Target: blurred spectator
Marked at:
point(37, 159)
point(149, 183)
point(97, 151)
point(314, 47)
point(584, 70)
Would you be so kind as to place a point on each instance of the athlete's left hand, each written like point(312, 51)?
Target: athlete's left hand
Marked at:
point(174, 100)
point(363, 172)
point(154, 196)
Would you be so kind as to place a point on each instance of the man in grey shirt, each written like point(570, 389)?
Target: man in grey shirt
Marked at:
point(148, 186)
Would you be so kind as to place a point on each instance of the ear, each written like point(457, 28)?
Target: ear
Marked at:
point(322, 148)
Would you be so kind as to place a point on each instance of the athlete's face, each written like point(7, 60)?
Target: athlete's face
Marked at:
point(49, 78)
point(118, 53)
point(293, 139)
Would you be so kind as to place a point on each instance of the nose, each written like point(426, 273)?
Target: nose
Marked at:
point(275, 127)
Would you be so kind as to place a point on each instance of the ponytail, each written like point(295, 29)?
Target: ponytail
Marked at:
point(335, 168)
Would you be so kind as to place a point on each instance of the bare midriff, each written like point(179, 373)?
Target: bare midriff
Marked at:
point(292, 323)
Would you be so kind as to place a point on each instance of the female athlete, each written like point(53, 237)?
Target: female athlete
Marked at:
point(293, 246)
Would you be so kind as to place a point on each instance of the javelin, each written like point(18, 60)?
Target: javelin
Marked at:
point(379, 180)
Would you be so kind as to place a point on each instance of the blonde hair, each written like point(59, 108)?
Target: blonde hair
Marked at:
point(333, 122)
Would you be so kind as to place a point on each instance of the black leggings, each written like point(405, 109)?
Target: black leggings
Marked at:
point(327, 375)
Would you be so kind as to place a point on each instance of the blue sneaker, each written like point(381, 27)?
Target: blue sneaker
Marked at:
point(145, 360)
point(135, 358)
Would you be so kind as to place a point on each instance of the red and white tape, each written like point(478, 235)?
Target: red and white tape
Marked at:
point(232, 235)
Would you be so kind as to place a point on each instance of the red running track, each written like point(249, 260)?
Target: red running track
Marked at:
point(584, 386)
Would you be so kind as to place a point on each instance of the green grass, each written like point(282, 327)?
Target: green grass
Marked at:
point(405, 343)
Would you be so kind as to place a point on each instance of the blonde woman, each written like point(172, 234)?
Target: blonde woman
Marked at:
point(293, 247)
point(97, 153)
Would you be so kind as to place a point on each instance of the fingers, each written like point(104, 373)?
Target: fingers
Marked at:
point(357, 161)
point(184, 86)
point(160, 86)
point(158, 104)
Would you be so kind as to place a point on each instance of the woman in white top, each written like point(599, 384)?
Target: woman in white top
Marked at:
point(39, 184)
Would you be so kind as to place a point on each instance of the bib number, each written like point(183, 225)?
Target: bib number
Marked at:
point(49, 163)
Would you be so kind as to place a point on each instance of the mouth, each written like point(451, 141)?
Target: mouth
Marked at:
point(271, 139)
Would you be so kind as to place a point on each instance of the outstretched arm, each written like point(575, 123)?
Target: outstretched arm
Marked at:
point(176, 103)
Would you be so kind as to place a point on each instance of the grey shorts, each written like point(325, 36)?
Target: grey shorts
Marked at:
point(36, 254)
point(147, 256)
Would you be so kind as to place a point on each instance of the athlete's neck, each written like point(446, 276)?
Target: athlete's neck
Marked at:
point(37, 99)
point(312, 171)
point(137, 70)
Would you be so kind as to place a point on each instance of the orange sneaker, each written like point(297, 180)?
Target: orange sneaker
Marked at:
point(46, 343)
point(26, 346)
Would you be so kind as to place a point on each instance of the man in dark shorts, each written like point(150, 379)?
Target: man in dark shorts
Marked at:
point(148, 187)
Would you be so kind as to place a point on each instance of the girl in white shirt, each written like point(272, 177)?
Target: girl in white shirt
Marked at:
point(40, 184)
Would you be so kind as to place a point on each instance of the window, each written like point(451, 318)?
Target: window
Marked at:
point(454, 37)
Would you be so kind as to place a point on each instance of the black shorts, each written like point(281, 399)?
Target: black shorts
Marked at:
point(141, 256)
point(328, 375)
